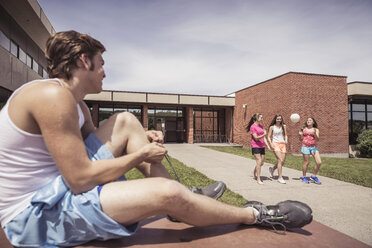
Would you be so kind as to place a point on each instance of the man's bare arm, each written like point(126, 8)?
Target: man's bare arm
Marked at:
point(59, 126)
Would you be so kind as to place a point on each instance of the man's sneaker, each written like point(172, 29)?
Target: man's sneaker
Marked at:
point(286, 214)
point(271, 171)
point(315, 179)
point(281, 180)
point(304, 179)
point(213, 191)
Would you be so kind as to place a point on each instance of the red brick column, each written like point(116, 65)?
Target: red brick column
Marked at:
point(95, 110)
point(145, 117)
point(189, 125)
point(228, 124)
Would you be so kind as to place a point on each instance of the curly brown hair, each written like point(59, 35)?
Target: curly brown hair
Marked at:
point(63, 49)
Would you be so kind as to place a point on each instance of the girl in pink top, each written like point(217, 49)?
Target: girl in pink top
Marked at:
point(258, 134)
point(309, 135)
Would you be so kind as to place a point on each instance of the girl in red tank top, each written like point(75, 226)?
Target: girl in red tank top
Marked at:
point(309, 135)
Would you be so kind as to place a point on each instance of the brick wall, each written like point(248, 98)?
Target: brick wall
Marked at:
point(145, 117)
point(322, 97)
point(229, 124)
point(189, 125)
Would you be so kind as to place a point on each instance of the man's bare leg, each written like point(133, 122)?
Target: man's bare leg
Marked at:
point(131, 201)
point(122, 134)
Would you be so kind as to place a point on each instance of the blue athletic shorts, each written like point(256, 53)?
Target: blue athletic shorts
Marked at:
point(308, 150)
point(57, 217)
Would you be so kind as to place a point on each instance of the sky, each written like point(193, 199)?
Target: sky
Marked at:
point(217, 47)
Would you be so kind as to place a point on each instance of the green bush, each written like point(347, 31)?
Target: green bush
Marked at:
point(365, 143)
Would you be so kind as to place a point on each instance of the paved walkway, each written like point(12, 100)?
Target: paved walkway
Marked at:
point(342, 206)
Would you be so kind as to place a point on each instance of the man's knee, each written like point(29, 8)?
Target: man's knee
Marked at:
point(172, 192)
point(125, 119)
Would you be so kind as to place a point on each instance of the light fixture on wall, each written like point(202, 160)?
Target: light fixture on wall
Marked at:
point(244, 106)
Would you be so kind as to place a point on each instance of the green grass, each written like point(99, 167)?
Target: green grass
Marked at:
point(357, 171)
point(191, 177)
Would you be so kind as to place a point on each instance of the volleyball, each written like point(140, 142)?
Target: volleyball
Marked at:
point(295, 118)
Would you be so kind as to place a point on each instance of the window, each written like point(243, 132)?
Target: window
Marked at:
point(4, 41)
point(35, 66)
point(45, 74)
point(14, 48)
point(29, 61)
point(360, 119)
point(40, 71)
point(369, 120)
point(359, 107)
point(22, 55)
point(369, 108)
point(157, 115)
point(104, 113)
point(209, 125)
point(134, 109)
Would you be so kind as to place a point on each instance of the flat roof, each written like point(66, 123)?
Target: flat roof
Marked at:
point(359, 89)
point(290, 72)
point(161, 98)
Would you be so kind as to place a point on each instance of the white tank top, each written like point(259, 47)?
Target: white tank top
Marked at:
point(278, 136)
point(25, 163)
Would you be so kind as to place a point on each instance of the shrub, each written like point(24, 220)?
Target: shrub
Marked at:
point(365, 143)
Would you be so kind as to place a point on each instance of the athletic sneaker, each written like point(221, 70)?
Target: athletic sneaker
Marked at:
point(286, 214)
point(213, 191)
point(271, 171)
point(281, 180)
point(315, 179)
point(304, 179)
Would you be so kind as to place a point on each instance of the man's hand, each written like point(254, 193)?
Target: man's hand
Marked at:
point(155, 136)
point(154, 152)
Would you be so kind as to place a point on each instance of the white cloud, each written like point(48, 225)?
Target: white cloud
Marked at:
point(220, 46)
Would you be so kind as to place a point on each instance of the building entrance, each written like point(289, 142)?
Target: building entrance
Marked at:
point(170, 122)
point(209, 125)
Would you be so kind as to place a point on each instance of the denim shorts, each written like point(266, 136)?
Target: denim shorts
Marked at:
point(58, 217)
point(309, 150)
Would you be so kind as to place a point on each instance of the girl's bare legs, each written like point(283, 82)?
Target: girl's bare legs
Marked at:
point(281, 159)
point(305, 165)
point(260, 158)
point(318, 162)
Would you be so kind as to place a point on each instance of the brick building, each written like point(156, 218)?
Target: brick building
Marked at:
point(323, 97)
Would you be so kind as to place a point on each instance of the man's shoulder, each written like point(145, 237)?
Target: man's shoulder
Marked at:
point(47, 89)
point(47, 95)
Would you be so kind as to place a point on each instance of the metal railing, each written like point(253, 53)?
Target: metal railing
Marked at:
point(210, 138)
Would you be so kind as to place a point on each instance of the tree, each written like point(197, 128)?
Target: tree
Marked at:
point(365, 143)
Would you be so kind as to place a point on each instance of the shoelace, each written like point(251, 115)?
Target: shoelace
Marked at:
point(273, 224)
point(196, 190)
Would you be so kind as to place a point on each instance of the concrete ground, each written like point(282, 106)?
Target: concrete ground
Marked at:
point(342, 206)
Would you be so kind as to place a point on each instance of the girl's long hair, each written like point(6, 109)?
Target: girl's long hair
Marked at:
point(273, 122)
point(314, 125)
point(253, 119)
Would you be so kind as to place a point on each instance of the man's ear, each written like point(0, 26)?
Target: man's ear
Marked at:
point(84, 61)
